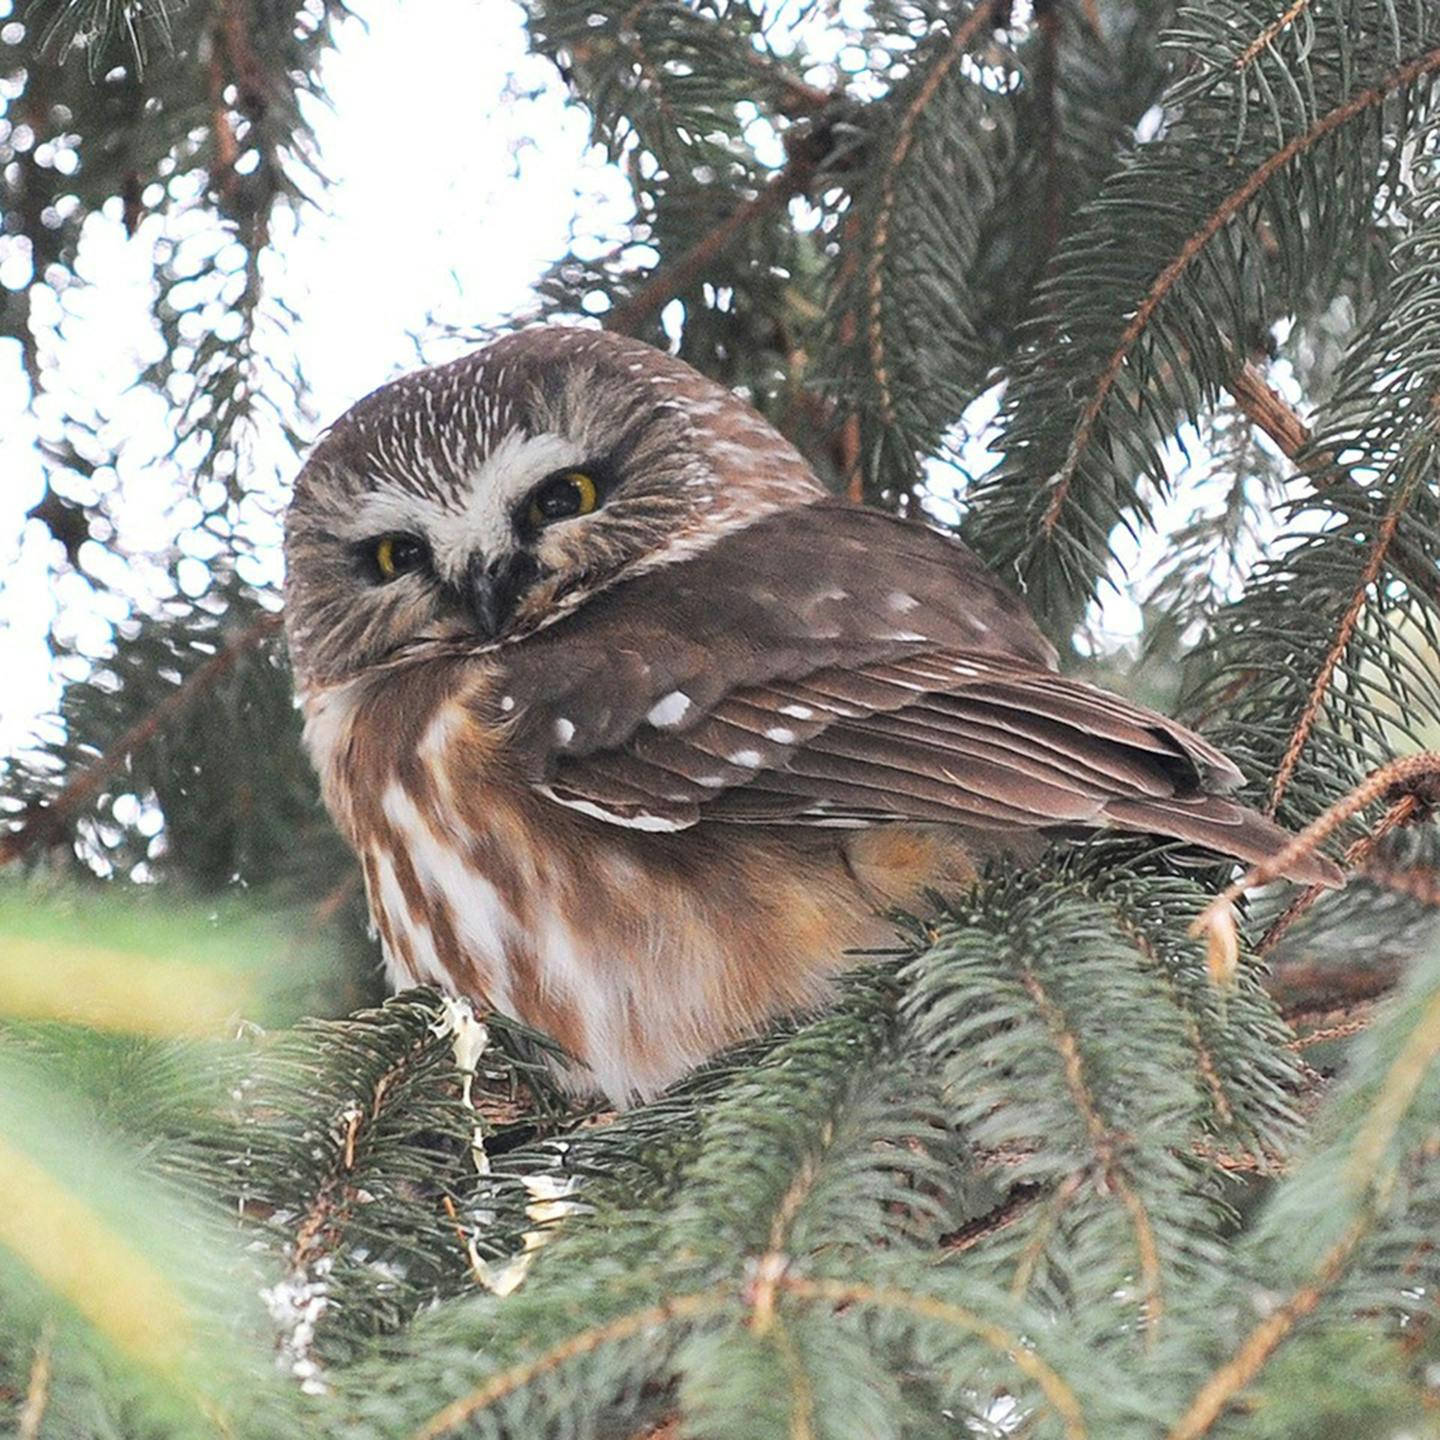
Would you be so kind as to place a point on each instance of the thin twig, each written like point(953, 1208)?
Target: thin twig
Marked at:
point(663, 287)
point(1217, 919)
point(1363, 1168)
point(1104, 1141)
point(1267, 410)
point(1268, 34)
point(1314, 704)
point(976, 1232)
point(45, 825)
point(1356, 857)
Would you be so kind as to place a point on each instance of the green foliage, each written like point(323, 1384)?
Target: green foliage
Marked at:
point(1035, 1172)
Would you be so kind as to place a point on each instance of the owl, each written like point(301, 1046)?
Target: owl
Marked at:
point(639, 734)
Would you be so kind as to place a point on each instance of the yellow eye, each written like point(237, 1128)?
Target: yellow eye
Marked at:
point(394, 555)
point(563, 496)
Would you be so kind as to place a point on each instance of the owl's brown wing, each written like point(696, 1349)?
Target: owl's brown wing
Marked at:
point(833, 666)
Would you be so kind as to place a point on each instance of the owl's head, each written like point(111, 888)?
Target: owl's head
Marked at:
point(473, 503)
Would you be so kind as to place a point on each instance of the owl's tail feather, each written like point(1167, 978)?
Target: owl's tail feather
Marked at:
point(1225, 826)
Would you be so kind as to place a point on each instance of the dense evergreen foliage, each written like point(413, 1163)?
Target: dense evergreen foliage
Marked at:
point(1052, 1167)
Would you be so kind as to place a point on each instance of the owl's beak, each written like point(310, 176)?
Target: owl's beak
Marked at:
point(495, 588)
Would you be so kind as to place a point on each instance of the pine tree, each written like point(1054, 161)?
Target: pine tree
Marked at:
point(1094, 1153)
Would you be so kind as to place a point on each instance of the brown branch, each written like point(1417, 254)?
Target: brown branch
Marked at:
point(1268, 411)
point(1342, 1026)
point(1362, 1169)
point(1104, 1142)
point(1268, 34)
point(44, 825)
point(791, 180)
point(1262, 1342)
point(1025, 1359)
point(1196, 243)
point(1217, 919)
point(1356, 856)
point(1310, 715)
point(515, 1377)
point(976, 1232)
point(983, 11)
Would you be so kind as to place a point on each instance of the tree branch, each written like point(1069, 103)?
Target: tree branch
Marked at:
point(46, 824)
point(657, 292)
point(1191, 250)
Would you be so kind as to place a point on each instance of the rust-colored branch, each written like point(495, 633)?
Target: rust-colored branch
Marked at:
point(1364, 1172)
point(46, 825)
point(1268, 34)
point(1217, 919)
point(791, 180)
point(1262, 1342)
point(506, 1382)
point(1167, 279)
point(1315, 703)
point(1268, 411)
point(1356, 857)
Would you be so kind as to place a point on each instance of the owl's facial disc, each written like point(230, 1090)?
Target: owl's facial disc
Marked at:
point(494, 554)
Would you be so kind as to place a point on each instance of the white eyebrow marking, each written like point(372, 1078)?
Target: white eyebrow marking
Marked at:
point(669, 709)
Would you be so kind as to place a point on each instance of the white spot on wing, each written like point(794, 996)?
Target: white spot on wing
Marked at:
point(902, 602)
point(797, 712)
point(780, 735)
point(507, 703)
point(639, 821)
point(750, 759)
point(669, 709)
point(564, 730)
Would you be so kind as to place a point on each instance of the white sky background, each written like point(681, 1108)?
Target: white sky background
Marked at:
point(434, 98)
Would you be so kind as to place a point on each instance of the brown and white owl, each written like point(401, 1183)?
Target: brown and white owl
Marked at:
point(637, 732)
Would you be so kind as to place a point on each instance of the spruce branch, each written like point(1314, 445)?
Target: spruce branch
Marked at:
point(1411, 772)
point(1397, 776)
point(1356, 859)
point(517, 1377)
point(1367, 1167)
point(1268, 35)
point(1194, 247)
point(959, 45)
point(792, 179)
point(1266, 409)
point(1105, 1143)
point(1012, 1347)
point(46, 825)
point(1375, 562)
